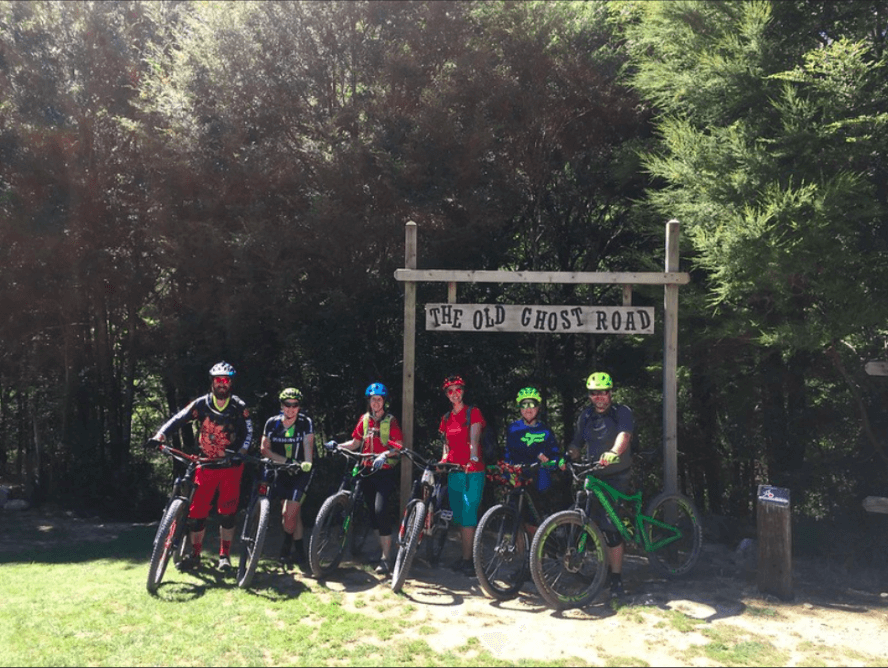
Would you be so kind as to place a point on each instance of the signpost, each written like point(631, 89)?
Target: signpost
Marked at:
point(774, 542)
point(876, 504)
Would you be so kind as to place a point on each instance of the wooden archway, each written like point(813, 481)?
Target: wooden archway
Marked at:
point(671, 279)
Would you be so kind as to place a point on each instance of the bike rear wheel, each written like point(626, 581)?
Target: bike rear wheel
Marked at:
point(253, 540)
point(330, 535)
point(167, 541)
point(500, 553)
point(408, 539)
point(675, 533)
point(568, 561)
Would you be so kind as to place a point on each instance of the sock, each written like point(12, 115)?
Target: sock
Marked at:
point(224, 548)
point(297, 548)
point(196, 549)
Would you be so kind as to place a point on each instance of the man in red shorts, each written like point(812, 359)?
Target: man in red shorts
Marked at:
point(223, 424)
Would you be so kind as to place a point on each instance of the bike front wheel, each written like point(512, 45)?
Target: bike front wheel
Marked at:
point(329, 535)
point(167, 541)
point(676, 536)
point(500, 552)
point(408, 539)
point(360, 527)
point(253, 540)
point(568, 561)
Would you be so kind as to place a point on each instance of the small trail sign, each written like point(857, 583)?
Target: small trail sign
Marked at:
point(876, 368)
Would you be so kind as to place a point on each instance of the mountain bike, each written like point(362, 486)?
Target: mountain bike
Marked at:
point(173, 540)
point(343, 519)
point(256, 519)
point(502, 544)
point(568, 559)
point(425, 517)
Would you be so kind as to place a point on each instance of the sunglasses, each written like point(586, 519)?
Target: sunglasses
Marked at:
point(599, 393)
point(290, 404)
point(223, 380)
point(454, 390)
point(528, 403)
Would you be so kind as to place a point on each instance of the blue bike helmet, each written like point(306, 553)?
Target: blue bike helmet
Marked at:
point(376, 390)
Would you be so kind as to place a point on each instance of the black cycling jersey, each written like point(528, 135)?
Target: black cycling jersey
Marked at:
point(289, 443)
point(219, 429)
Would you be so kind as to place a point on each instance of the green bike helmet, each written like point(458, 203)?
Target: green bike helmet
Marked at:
point(528, 393)
point(290, 394)
point(599, 381)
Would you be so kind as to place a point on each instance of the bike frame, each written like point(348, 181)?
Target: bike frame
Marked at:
point(430, 495)
point(262, 488)
point(517, 496)
point(351, 483)
point(431, 486)
point(596, 489)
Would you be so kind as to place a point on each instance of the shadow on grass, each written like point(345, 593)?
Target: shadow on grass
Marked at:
point(132, 544)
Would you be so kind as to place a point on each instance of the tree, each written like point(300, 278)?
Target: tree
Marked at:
point(77, 248)
point(771, 118)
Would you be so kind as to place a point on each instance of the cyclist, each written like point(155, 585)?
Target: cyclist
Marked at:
point(223, 424)
point(461, 433)
point(604, 435)
point(529, 440)
point(288, 438)
point(378, 432)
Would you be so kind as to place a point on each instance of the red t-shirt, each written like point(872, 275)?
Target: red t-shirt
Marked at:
point(456, 431)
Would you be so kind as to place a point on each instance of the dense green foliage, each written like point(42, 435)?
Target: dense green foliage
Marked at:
point(183, 182)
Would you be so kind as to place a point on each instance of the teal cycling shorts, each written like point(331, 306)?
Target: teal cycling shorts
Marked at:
point(464, 492)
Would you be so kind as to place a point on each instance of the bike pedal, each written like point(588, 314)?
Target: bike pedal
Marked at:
point(446, 515)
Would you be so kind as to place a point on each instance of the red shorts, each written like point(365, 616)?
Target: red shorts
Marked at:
point(208, 480)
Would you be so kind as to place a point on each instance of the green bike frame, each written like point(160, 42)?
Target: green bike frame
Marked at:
point(628, 529)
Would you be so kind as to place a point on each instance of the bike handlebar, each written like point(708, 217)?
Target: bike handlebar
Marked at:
point(265, 461)
point(425, 462)
point(580, 470)
point(185, 457)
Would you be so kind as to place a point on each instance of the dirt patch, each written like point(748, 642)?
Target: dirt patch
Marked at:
point(714, 617)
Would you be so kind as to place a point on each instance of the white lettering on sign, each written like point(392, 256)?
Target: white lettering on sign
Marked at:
point(540, 319)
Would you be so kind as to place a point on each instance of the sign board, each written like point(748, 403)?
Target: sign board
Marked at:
point(540, 319)
point(875, 504)
point(775, 495)
point(876, 368)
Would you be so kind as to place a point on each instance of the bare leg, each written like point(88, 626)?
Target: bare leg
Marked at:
point(467, 534)
point(615, 558)
point(385, 542)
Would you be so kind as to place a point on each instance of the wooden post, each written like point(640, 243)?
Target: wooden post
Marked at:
point(408, 371)
point(774, 542)
point(670, 365)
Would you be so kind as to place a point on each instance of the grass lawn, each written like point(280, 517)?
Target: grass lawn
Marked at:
point(86, 605)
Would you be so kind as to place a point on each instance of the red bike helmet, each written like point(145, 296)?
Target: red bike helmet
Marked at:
point(452, 380)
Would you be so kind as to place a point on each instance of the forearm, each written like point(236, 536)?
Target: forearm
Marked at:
point(266, 451)
point(475, 441)
point(621, 444)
